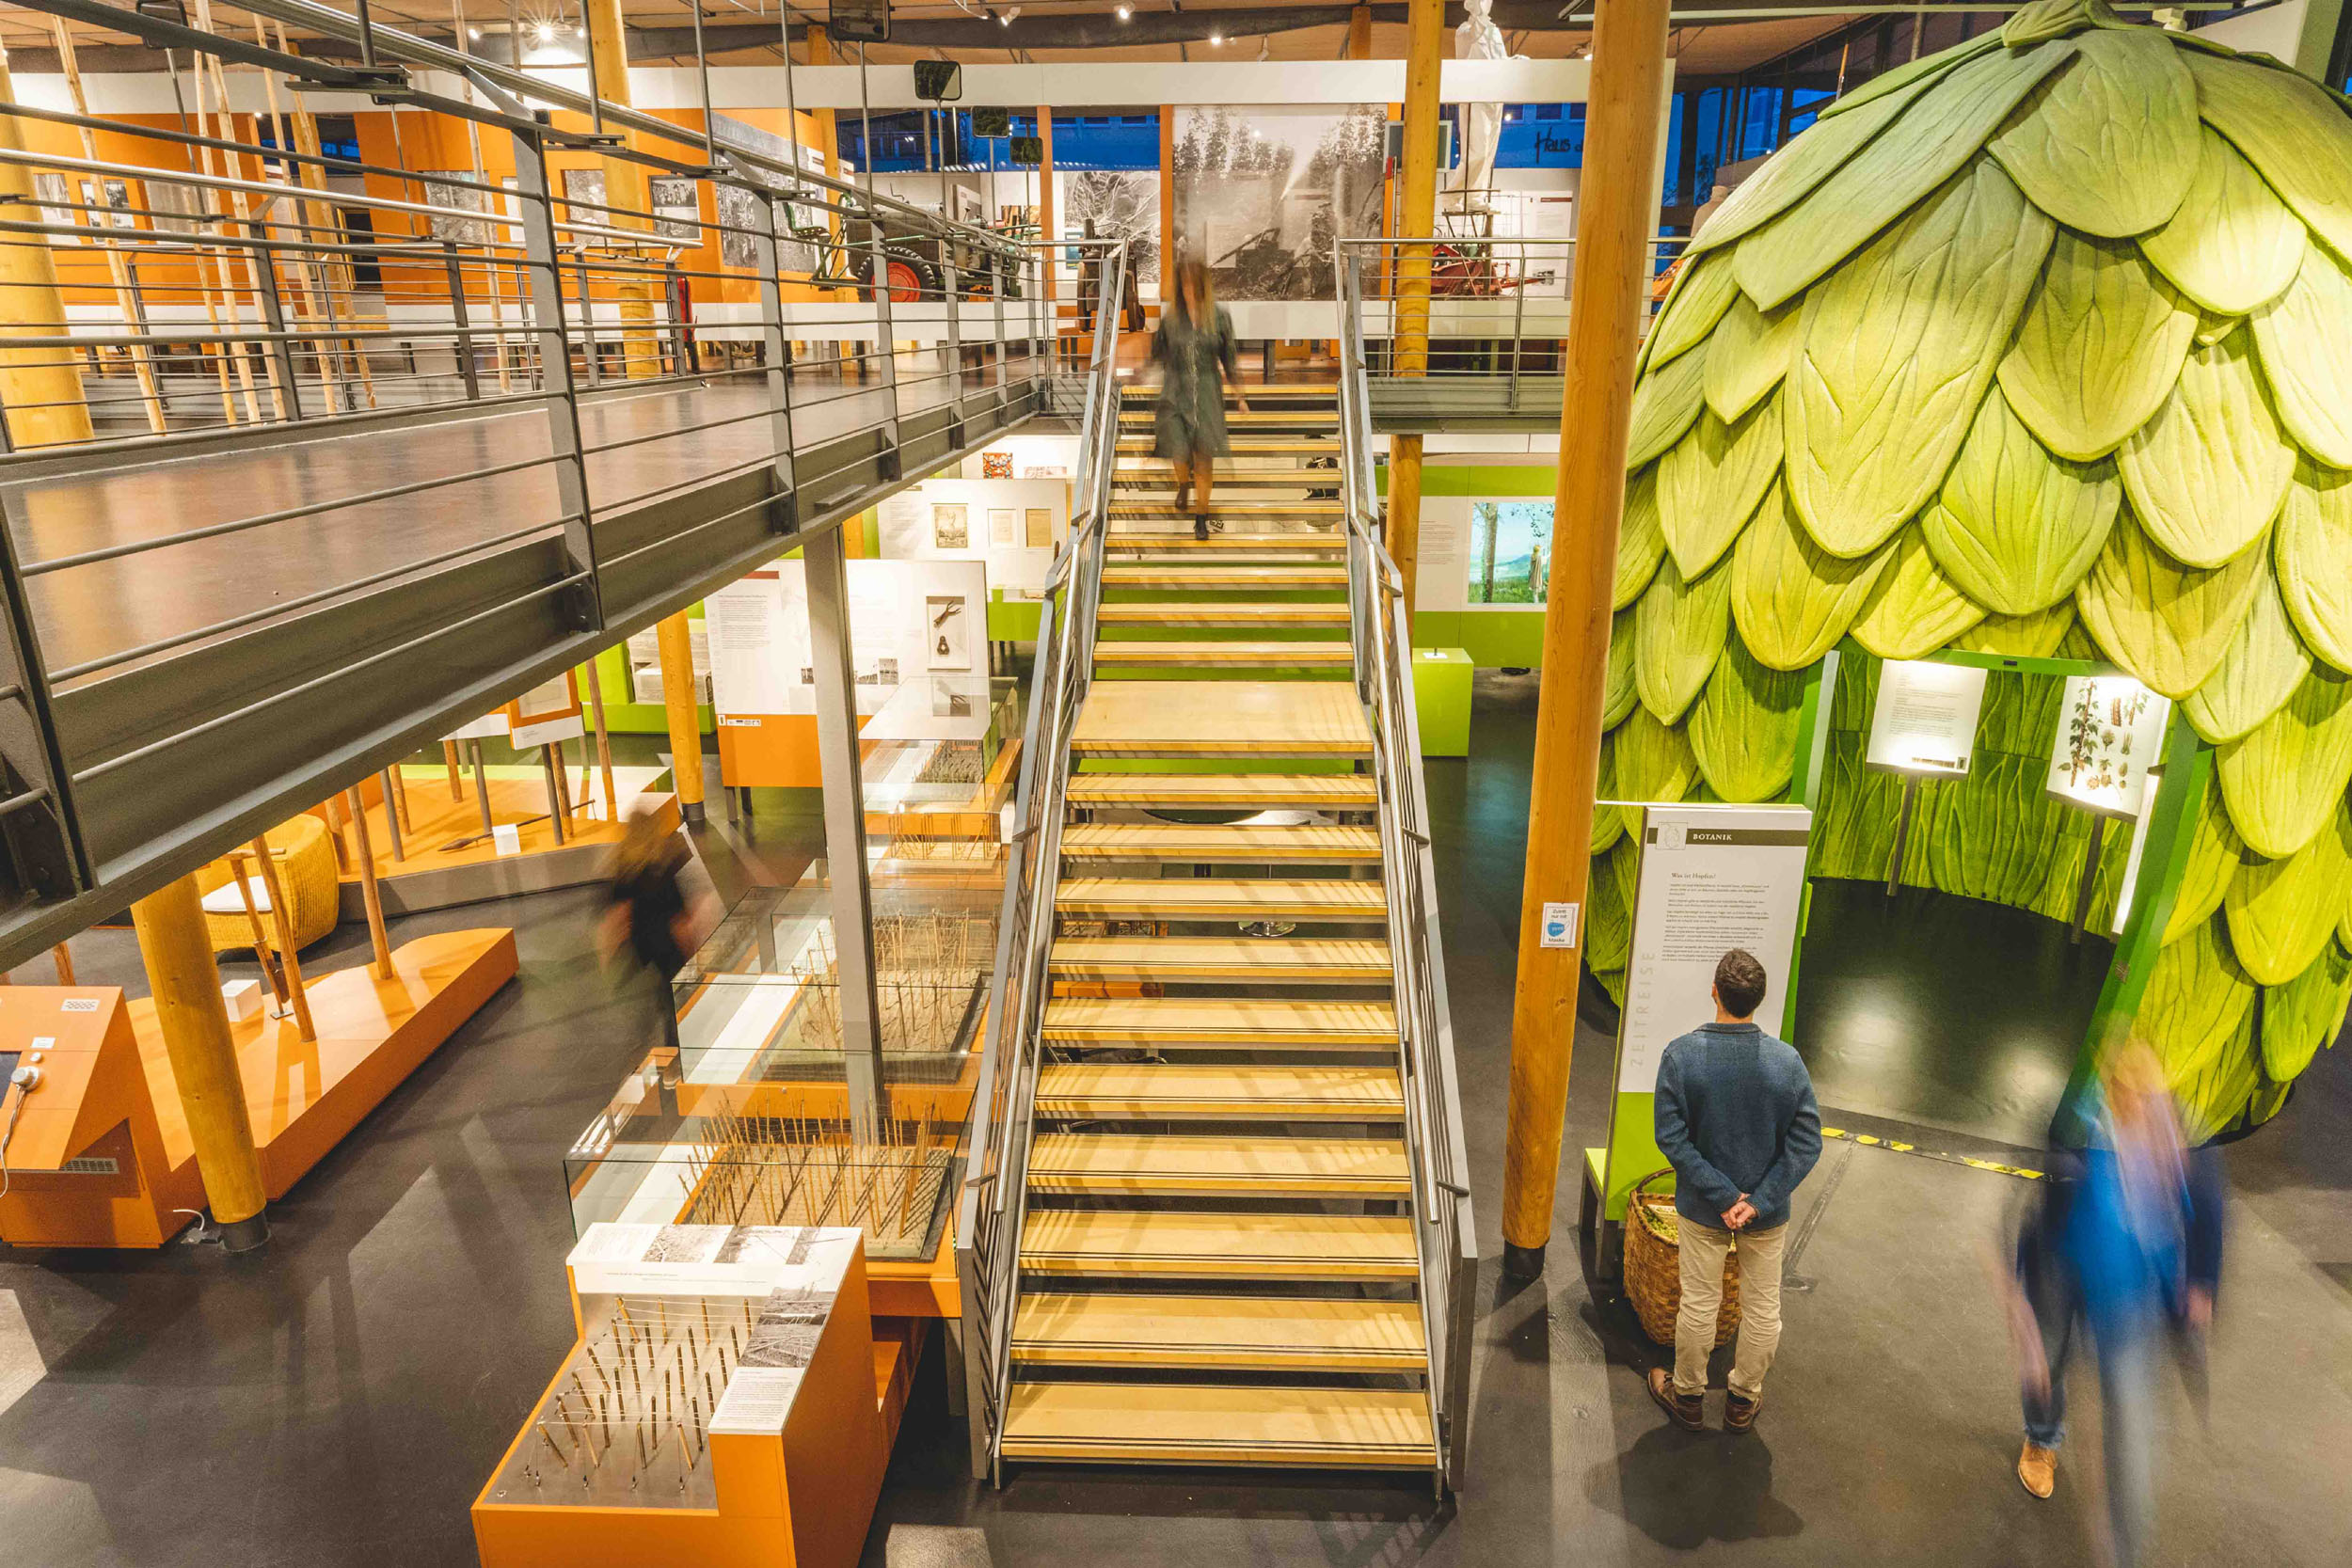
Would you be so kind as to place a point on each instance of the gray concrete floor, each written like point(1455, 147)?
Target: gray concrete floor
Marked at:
point(340, 1397)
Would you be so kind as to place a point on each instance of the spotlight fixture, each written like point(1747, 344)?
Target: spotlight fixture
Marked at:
point(1126, 13)
point(1217, 40)
point(1004, 18)
point(544, 32)
point(473, 33)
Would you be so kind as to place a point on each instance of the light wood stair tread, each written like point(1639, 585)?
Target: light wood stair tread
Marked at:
point(1312, 841)
point(1198, 1424)
point(1135, 507)
point(1326, 960)
point(1161, 1244)
point(1182, 541)
point(1222, 718)
point(1210, 1021)
point(1113, 651)
point(1243, 446)
point(1185, 573)
point(1155, 475)
point(1081, 1329)
point(1330, 791)
point(1189, 1162)
point(1221, 897)
point(1130, 418)
point(1148, 1090)
point(1233, 613)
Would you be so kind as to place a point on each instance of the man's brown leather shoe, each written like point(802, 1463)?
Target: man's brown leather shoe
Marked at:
point(2037, 1470)
point(1689, 1413)
point(1740, 1413)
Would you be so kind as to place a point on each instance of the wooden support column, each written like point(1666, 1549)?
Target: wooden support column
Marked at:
point(371, 894)
point(41, 387)
point(1359, 33)
point(625, 185)
point(684, 713)
point(604, 734)
point(178, 953)
point(1424, 30)
point(1615, 216)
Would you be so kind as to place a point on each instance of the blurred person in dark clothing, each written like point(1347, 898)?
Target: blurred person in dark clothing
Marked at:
point(1734, 1116)
point(649, 918)
point(2124, 1242)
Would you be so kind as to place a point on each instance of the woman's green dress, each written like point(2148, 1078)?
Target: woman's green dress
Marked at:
point(1190, 423)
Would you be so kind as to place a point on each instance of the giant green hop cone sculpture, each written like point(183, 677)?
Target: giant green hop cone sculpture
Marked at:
point(2044, 342)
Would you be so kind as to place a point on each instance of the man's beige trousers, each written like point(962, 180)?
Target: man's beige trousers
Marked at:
point(1704, 1248)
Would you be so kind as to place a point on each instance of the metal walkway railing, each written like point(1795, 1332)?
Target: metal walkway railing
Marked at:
point(337, 466)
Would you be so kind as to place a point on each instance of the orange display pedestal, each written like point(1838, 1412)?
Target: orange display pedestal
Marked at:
point(613, 1469)
point(103, 1156)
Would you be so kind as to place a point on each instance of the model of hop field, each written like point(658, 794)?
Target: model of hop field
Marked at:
point(2042, 345)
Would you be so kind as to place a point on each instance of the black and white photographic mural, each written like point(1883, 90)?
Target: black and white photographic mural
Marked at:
point(1121, 205)
point(1261, 193)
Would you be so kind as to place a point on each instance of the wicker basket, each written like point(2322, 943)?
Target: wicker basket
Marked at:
point(1653, 1266)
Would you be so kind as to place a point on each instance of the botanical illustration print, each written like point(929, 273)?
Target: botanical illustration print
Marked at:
point(1122, 206)
point(1262, 194)
point(2099, 735)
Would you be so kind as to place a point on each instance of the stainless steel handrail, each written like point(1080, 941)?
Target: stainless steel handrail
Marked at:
point(1435, 1148)
point(993, 1207)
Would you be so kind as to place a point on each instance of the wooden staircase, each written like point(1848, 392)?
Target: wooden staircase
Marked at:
point(1217, 1262)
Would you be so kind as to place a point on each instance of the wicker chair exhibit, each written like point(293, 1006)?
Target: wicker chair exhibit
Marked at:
point(305, 857)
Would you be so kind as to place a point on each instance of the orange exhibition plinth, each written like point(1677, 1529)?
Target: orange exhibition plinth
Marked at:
point(726, 1405)
point(103, 1156)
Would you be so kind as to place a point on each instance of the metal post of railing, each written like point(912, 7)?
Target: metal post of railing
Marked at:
point(850, 897)
point(878, 276)
point(588, 320)
point(55, 863)
point(1518, 317)
point(466, 370)
point(674, 291)
point(559, 397)
point(775, 349)
point(273, 315)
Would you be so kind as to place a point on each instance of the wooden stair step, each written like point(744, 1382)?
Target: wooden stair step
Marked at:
point(1164, 1244)
point(1243, 446)
point(1218, 1023)
point(1294, 1333)
point(1223, 575)
point(1312, 841)
point(1239, 418)
point(1180, 541)
point(1354, 961)
point(1330, 652)
point(1189, 719)
point(1144, 392)
point(1244, 612)
point(1139, 508)
point(1208, 791)
point(1148, 1090)
point(1219, 898)
point(1154, 476)
point(1161, 1163)
point(1192, 1424)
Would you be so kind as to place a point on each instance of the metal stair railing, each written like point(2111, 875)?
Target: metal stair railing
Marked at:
point(1440, 1196)
point(992, 1205)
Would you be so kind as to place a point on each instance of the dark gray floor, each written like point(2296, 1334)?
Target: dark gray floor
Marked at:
point(341, 1398)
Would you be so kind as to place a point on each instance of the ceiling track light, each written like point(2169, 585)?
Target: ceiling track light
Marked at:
point(1126, 13)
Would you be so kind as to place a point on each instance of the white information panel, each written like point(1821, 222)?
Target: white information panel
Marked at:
point(2110, 733)
point(1925, 721)
point(1713, 879)
point(907, 619)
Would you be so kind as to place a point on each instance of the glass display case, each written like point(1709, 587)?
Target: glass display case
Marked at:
point(763, 1118)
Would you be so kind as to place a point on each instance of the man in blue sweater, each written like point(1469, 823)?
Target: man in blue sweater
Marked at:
point(1736, 1120)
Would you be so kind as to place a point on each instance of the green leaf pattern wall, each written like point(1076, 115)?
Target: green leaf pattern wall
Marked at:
point(2039, 346)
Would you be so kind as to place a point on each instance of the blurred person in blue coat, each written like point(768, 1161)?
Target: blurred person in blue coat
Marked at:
point(2125, 1245)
